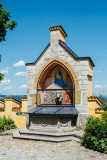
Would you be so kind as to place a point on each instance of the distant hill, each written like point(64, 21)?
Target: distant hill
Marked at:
point(15, 96)
point(20, 96)
point(103, 98)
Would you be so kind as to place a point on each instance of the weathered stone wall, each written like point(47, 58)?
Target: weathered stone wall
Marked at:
point(81, 69)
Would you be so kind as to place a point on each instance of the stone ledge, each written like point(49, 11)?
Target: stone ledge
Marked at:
point(2, 101)
point(24, 98)
point(94, 98)
point(12, 99)
point(8, 132)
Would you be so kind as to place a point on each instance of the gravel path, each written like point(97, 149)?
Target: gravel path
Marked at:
point(13, 149)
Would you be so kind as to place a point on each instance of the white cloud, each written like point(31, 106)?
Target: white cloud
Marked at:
point(20, 74)
point(23, 86)
point(7, 88)
point(96, 82)
point(4, 70)
point(99, 86)
point(5, 81)
point(97, 71)
point(19, 64)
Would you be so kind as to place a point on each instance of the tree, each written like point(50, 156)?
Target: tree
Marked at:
point(1, 77)
point(5, 24)
point(103, 102)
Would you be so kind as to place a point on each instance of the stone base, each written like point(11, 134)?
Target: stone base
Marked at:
point(53, 124)
point(52, 129)
point(81, 120)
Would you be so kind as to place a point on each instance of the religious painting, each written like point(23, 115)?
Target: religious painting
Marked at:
point(58, 97)
point(58, 78)
point(49, 97)
point(68, 97)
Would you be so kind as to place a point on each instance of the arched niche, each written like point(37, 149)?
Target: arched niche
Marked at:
point(56, 85)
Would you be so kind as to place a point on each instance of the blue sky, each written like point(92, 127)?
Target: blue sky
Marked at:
point(85, 22)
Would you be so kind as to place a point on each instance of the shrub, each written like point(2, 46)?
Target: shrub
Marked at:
point(104, 105)
point(95, 135)
point(104, 116)
point(6, 124)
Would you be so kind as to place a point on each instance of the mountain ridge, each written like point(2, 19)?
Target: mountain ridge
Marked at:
point(18, 97)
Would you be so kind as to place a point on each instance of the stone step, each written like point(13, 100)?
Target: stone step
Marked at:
point(52, 129)
point(25, 131)
point(17, 135)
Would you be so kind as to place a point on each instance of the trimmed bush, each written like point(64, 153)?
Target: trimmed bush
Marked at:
point(95, 135)
point(6, 124)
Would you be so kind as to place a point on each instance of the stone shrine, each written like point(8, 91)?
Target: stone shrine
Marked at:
point(59, 83)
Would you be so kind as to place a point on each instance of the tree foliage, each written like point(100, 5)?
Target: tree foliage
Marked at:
point(103, 102)
point(5, 22)
point(1, 76)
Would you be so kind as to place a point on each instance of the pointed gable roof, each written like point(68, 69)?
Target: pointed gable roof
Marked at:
point(63, 44)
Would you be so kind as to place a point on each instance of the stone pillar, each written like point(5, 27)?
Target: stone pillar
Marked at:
point(57, 33)
point(24, 104)
point(25, 108)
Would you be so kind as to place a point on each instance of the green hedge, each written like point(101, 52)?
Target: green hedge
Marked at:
point(95, 135)
point(6, 124)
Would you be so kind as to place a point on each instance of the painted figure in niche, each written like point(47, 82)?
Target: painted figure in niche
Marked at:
point(58, 79)
point(58, 98)
point(68, 97)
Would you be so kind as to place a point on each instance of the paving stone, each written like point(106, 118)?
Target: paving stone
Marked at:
point(14, 149)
